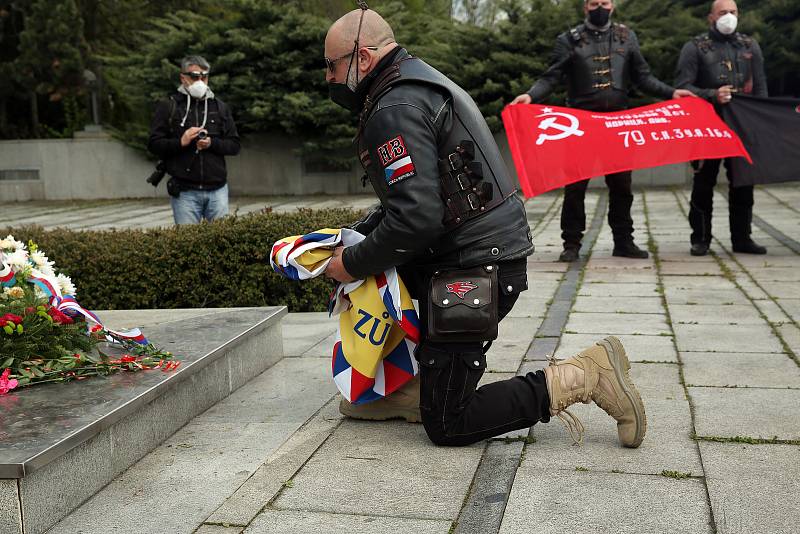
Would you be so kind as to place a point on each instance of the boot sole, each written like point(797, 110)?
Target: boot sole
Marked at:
point(622, 366)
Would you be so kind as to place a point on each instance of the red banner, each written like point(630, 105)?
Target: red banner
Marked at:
point(554, 146)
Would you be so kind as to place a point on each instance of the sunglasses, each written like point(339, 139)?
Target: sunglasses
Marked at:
point(331, 63)
point(195, 75)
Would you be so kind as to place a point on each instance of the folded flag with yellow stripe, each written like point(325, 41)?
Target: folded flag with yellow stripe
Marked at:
point(378, 325)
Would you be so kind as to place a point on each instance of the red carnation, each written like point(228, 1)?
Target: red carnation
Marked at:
point(11, 318)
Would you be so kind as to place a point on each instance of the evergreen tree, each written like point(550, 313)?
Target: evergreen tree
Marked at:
point(51, 58)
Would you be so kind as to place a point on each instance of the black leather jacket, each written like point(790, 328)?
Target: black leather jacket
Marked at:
point(195, 170)
point(598, 66)
point(413, 120)
point(712, 60)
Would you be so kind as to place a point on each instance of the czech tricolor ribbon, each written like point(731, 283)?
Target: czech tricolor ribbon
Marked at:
point(69, 306)
point(6, 275)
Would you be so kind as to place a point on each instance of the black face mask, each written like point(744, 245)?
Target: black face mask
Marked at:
point(599, 16)
point(353, 101)
point(343, 96)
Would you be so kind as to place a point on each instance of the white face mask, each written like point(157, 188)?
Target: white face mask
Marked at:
point(198, 89)
point(726, 24)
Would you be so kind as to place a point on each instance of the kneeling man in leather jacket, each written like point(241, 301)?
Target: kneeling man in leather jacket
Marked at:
point(449, 211)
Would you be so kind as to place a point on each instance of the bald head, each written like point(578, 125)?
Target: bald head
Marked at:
point(375, 31)
point(375, 40)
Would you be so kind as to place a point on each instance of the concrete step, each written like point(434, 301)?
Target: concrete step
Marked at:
point(62, 443)
point(253, 441)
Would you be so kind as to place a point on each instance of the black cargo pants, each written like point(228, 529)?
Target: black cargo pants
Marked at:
point(454, 412)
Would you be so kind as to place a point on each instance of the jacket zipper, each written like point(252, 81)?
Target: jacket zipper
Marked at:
point(200, 152)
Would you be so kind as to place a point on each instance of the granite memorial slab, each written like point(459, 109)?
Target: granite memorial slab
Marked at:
point(60, 443)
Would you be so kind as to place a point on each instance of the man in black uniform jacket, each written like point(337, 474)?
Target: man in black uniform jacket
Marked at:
point(599, 59)
point(447, 205)
point(714, 65)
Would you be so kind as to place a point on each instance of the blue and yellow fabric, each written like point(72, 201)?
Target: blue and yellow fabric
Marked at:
point(378, 325)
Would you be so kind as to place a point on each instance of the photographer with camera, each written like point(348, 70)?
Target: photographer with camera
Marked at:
point(192, 131)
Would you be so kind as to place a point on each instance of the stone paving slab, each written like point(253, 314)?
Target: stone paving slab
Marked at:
point(707, 268)
point(771, 260)
point(218, 529)
point(755, 413)
point(753, 488)
point(557, 502)
point(203, 463)
point(323, 349)
point(668, 443)
point(716, 297)
point(351, 474)
point(638, 348)
point(617, 324)
point(726, 338)
point(752, 289)
point(251, 497)
point(547, 266)
point(792, 307)
point(313, 328)
point(740, 369)
point(715, 315)
point(530, 304)
point(508, 350)
point(773, 312)
point(140, 213)
point(698, 282)
point(638, 276)
point(291, 522)
point(619, 304)
point(791, 335)
point(617, 290)
point(613, 266)
point(782, 290)
point(774, 274)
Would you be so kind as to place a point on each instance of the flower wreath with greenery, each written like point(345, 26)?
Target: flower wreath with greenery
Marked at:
point(46, 336)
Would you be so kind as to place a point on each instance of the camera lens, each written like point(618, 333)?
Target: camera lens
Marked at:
point(202, 135)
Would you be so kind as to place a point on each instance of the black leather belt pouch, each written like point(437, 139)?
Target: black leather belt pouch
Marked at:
point(462, 305)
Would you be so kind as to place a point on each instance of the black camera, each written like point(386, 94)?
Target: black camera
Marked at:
point(202, 134)
point(157, 175)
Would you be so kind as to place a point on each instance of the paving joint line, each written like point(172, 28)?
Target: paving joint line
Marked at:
point(268, 504)
point(653, 246)
point(485, 503)
point(791, 354)
point(770, 230)
point(779, 200)
point(776, 234)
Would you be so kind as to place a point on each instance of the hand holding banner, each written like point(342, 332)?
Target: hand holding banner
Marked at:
point(553, 146)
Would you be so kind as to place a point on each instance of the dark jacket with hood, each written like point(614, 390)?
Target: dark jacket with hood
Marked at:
point(204, 169)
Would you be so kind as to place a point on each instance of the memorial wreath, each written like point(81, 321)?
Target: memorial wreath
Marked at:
point(46, 336)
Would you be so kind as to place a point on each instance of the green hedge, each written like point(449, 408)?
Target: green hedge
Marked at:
point(222, 264)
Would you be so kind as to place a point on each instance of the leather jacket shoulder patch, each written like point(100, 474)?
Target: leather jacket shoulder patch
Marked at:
point(395, 160)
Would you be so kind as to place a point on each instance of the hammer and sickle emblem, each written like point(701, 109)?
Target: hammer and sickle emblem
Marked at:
point(551, 123)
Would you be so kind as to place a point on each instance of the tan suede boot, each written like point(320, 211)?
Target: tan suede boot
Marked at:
point(598, 374)
point(401, 404)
